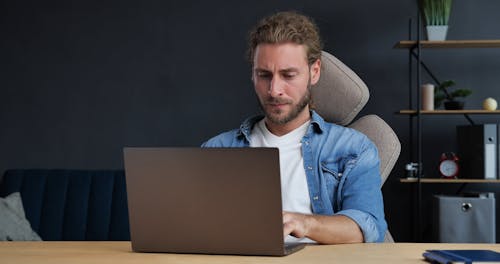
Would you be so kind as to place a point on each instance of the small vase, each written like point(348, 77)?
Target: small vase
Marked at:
point(437, 32)
point(427, 96)
point(454, 105)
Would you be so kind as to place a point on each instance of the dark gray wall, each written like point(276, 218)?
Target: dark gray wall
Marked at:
point(82, 79)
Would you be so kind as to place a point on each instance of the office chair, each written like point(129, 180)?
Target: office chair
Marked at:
point(339, 96)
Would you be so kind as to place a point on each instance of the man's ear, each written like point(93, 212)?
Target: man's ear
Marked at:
point(315, 71)
point(251, 73)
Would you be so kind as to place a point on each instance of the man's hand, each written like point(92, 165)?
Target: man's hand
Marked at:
point(334, 229)
point(295, 224)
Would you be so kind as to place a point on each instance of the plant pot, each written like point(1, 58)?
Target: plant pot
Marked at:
point(436, 32)
point(454, 105)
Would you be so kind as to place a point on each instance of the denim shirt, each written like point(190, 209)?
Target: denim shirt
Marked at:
point(342, 170)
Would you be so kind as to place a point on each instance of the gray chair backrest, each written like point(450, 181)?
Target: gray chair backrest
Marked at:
point(339, 96)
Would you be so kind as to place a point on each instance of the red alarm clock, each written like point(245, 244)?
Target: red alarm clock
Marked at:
point(448, 166)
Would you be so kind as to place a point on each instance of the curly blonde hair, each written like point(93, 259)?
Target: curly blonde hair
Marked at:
point(285, 27)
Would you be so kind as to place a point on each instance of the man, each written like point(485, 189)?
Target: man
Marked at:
point(330, 174)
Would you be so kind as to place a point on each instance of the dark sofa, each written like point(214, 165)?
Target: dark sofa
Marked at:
point(72, 205)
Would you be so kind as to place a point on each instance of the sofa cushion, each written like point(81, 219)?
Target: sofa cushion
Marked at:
point(13, 223)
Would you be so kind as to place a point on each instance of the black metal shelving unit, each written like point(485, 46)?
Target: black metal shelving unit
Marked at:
point(415, 52)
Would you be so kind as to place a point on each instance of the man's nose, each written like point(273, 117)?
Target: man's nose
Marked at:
point(276, 87)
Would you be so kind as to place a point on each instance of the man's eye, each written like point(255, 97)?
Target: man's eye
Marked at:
point(289, 76)
point(264, 75)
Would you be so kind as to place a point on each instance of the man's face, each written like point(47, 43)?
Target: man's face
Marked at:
point(282, 80)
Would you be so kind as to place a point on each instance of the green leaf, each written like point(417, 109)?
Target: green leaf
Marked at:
point(461, 93)
point(436, 12)
point(448, 83)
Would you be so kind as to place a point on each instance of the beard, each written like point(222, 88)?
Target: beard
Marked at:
point(276, 116)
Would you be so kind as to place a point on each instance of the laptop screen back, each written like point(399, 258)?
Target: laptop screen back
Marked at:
point(205, 200)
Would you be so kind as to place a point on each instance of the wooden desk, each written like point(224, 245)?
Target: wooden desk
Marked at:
point(120, 252)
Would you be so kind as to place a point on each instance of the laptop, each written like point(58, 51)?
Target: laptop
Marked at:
point(206, 200)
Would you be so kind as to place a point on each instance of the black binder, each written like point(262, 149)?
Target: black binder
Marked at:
point(477, 151)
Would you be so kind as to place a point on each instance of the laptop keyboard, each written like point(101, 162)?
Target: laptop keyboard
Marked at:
point(291, 247)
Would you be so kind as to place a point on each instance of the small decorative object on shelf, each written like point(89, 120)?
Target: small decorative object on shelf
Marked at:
point(450, 98)
point(448, 166)
point(436, 14)
point(428, 96)
point(411, 170)
point(490, 104)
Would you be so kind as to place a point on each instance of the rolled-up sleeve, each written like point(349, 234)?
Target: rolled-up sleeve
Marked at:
point(365, 222)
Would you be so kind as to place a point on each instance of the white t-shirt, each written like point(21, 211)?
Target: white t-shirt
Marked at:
point(294, 189)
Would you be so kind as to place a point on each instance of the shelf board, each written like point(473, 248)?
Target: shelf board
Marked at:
point(450, 112)
point(408, 44)
point(438, 180)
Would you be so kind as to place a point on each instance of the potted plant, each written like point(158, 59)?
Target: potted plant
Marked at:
point(436, 14)
point(442, 93)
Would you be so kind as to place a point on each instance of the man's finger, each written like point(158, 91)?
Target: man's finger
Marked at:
point(287, 228)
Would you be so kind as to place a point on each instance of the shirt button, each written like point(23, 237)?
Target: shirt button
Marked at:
point(309, 167)
point(315, 198)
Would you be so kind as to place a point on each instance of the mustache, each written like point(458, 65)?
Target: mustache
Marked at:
point(272, 100)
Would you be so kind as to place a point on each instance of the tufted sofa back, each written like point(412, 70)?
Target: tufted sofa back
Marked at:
point(72, 204)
